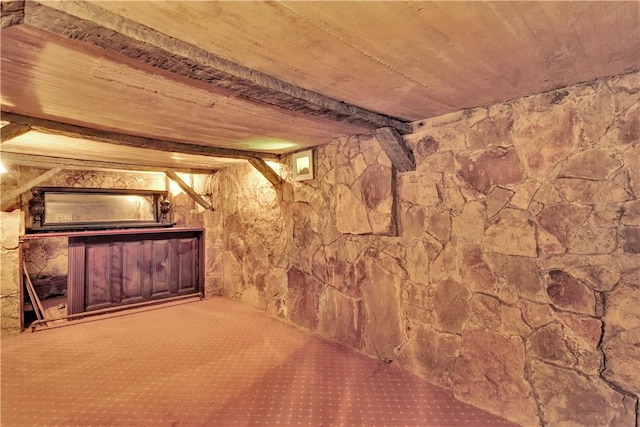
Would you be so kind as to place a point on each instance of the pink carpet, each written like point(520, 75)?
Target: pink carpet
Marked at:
point(210, 363)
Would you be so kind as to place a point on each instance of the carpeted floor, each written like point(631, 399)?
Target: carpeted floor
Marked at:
point(210, 363)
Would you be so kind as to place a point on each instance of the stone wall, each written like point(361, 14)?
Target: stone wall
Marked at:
point(508, 271)
point(11, 228)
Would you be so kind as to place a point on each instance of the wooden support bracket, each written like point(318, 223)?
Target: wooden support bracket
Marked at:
point(190, 191)
point(392, 143)
point(6, 198)
point(266, 171)
point(13, 130)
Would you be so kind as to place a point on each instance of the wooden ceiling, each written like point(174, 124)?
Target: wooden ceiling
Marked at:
point(194, 81)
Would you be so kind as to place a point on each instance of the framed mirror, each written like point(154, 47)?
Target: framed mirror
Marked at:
point(64, 208)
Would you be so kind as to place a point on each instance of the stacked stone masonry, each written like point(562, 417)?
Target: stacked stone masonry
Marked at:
point(506, 267)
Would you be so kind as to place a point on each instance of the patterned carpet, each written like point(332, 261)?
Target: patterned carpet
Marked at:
point(210, 363)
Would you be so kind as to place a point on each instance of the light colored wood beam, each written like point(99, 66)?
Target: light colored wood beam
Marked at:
point(88, 22)
point(190, 191)
point(392, 143)
point(73, 131)
point(13, 130)
point(76, 164)
point(6, 198)
point(266, 171)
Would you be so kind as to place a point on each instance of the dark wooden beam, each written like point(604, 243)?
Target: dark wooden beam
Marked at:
point(73, 131)
point(395, 147)
point(266, 171)
point(11, 13)
point(78, 164)
point(13, 130)
point(190, 191)
point(88, 22)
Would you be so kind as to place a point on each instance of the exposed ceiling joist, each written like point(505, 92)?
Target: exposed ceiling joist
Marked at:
point(190, 191)
point(13, 130)
point(393, 144)
point(78, 164)
point(57, 128)
point(88, 22)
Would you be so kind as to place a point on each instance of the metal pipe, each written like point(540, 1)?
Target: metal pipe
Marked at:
point(114, 309)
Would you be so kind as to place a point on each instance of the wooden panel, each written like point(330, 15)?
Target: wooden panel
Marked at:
point(146, 269)
point(120, 269)
point(174, 266)
point(98, 276)
point(161, 268)
point(132, 272)
point(188, 265)
point(76, 276)
point(115, 272)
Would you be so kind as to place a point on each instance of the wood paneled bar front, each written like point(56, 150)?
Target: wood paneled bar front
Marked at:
point(111, 268)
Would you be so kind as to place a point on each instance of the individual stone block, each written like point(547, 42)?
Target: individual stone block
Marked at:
point(341, 318)
point(520, 274)
point(475, 272)
point(595, 164)
point(384, 330)
point(450, 305)
point(585, 401)
point(563, 219)
point(470, 223)
point(303, 296)
point(497, 199)
point(490, 375)
point(588, 192)
point(432, 355)
point(630, 239)
point(495, 166)
point(512, 232)
point(593, 240)
point(545, 138)
point(567, 292)
point(484, 312)
point(547, 343)
point(365, 186)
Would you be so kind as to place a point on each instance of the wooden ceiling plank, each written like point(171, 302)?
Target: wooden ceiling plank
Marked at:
point(134, 98)
point(57, 128)
point(190, 191)
point(77, 164)
point(6, 198)
point(266, 171)
point(392, 143)
point(13, 130)
point(88, 22)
